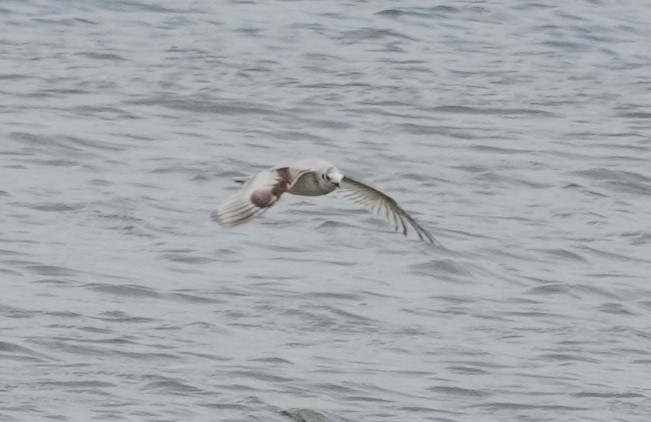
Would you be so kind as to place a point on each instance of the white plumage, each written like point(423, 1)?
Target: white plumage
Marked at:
point(311, 177)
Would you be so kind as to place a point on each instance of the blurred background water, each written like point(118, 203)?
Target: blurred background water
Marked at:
point(518, 132)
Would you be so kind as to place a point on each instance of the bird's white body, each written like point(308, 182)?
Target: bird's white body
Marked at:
point(309, 183)
point(311, 177)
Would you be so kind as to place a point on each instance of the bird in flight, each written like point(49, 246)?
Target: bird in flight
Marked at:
point(311, 177)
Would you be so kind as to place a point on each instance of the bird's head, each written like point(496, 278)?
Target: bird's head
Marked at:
point(334, 176)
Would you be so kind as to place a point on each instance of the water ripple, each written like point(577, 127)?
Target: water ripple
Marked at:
point(518, 131)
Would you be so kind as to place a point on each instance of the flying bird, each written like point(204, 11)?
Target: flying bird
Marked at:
point(311, 177)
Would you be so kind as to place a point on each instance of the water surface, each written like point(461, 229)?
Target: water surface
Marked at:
point(518, 132)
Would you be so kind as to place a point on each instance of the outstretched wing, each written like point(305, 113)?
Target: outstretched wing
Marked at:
point(256, 196)
point(383, 205)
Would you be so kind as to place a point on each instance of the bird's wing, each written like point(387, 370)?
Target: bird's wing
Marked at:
point(257, 194)
point(383, 205)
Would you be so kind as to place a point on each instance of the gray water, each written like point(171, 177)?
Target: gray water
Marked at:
point(518, 132)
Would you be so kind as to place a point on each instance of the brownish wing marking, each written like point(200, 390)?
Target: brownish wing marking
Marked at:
point(256, 196)
point(266, 197)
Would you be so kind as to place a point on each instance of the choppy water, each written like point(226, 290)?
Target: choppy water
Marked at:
point(519, 132)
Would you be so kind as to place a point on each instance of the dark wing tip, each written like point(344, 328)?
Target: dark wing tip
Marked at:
point(214, 216)
point(369, 196)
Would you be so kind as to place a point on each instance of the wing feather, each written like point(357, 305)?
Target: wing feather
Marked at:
point(257, 194)
point(383, 205)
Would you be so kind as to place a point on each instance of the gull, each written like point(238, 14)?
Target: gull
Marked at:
point(310, 177)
